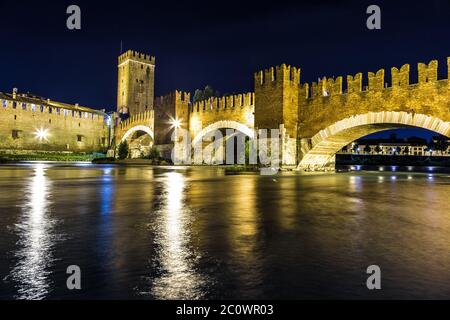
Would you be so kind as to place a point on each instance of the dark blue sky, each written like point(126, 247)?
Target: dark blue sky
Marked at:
point(216, 43)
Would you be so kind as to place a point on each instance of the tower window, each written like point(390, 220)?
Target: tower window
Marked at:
point(24, 106)
point(33, 107)
point(14, 104)
point(42, 108)
point(4, 103)
point(79, 138)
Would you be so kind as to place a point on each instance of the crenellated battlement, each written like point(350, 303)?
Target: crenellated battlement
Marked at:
point(140, 118)
point(231, 102)
point(400, 79)
point(136, 56)
point(279, 74)
point(174, 96)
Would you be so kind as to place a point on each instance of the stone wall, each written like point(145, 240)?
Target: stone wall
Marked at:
point(239, 108)
point(168, 109)
point(34, 124)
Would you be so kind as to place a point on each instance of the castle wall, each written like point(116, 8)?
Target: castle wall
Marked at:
point(276, 95)
point(169, 108)
point(429, 96)
point(68, 129)
point(239, 108)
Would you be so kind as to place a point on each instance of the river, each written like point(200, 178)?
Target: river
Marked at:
point(141, 232)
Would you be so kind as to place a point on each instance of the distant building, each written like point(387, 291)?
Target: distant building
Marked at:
point(30, 122)
point(413, 146)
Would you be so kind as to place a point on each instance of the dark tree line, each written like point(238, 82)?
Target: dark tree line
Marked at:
point(206, 93)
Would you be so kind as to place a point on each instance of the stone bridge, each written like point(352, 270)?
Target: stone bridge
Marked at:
point(138, 131)
point(331, 118)
point(320, 119)
point(229, 112)
point(315, 120)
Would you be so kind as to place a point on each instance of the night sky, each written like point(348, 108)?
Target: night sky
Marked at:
point(221, 43)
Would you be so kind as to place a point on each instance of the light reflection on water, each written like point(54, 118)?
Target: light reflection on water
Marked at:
point(177, 277)
point(34, 228)
point(187, 233)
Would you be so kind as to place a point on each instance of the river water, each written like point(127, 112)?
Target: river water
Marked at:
point(199, 233)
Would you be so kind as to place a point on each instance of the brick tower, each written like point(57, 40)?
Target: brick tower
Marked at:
point(136, 80)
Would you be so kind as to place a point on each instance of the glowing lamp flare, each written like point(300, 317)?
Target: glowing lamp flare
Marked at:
point(41, 134)
point(175, 123)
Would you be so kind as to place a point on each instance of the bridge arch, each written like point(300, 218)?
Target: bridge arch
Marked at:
point(221, 125)
point(319, 151)
point(137, 128)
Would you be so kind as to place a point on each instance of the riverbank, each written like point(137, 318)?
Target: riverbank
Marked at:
point(228, 168)
point(49, 156)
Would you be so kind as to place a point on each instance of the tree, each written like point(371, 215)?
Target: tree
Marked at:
point(355, 148)
point(123, 150)
point(378, 149)
point(204, 94)
point(198, 95)
point(154, 153)
point(367, 149)
point(208, 92)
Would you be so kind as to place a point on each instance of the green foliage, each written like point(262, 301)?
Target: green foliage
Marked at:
point(50, 156)
point(154, 153)
point(123, 150)
point(204, 94)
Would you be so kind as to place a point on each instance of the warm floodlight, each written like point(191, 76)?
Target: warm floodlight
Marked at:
point(41, 134)
point(175, 123)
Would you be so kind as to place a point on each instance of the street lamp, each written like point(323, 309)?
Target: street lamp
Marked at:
point(41, 134)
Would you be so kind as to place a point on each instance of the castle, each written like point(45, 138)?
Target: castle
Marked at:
point(315, 120)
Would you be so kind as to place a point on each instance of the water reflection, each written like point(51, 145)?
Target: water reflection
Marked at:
point(244, 236)
point(178, 278)
point(34, 228)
